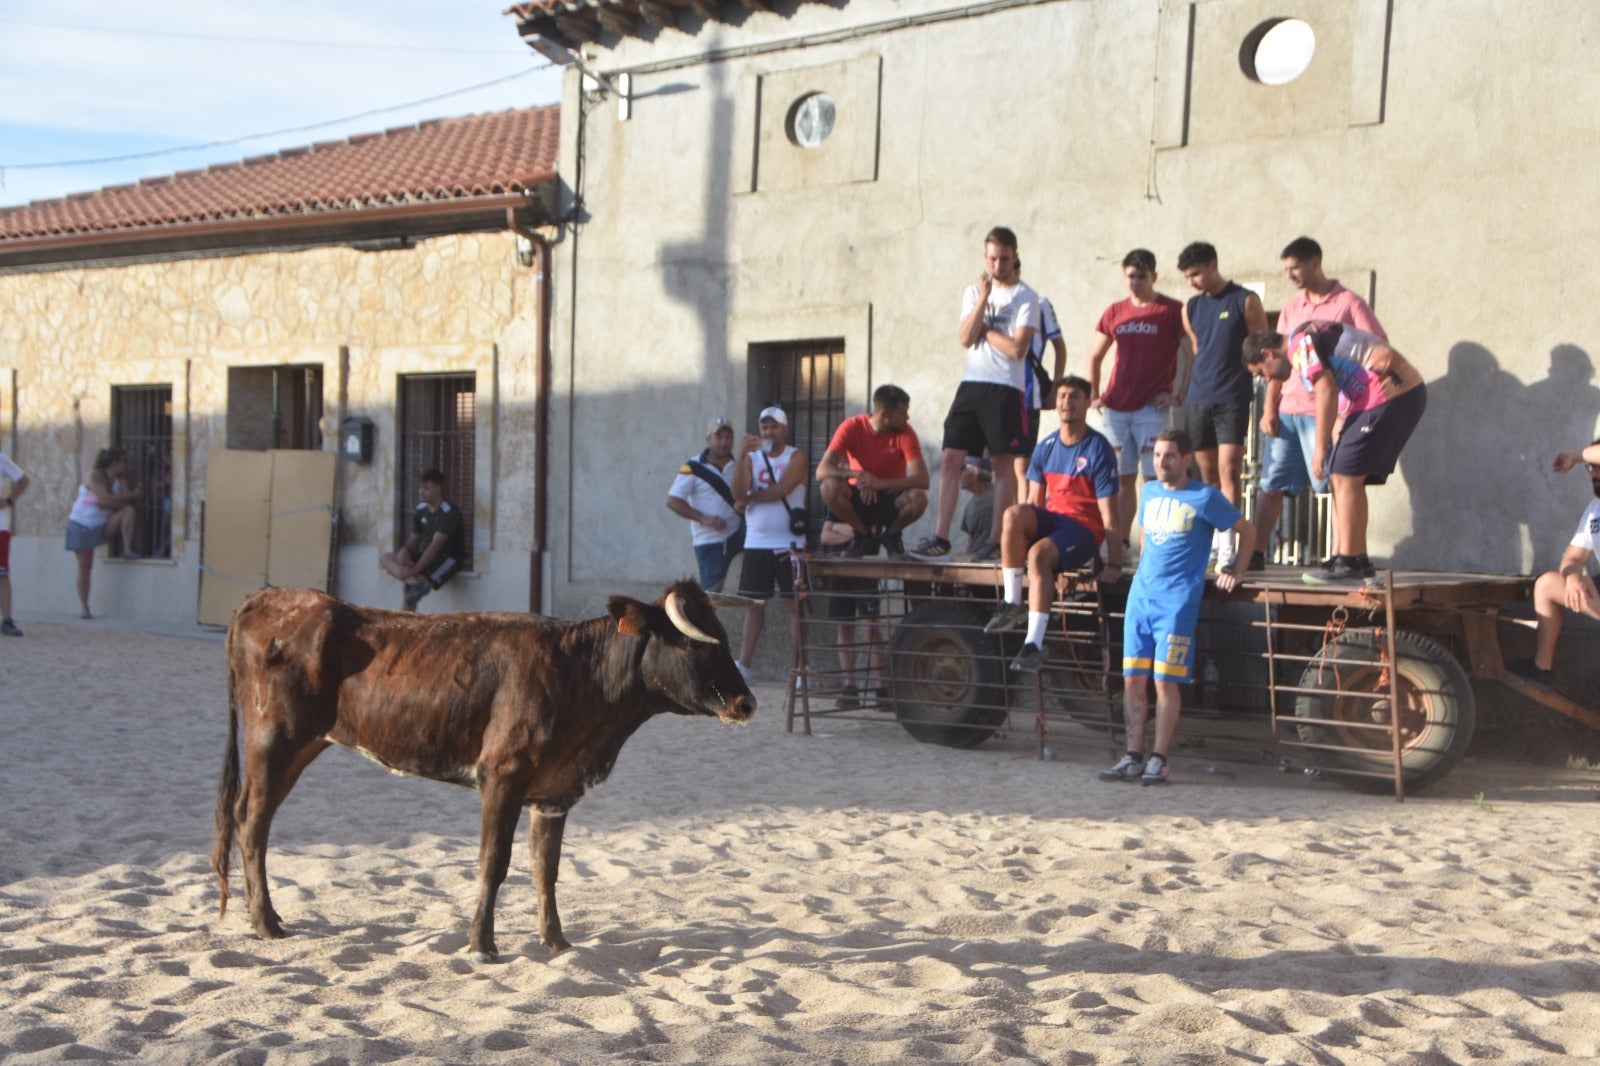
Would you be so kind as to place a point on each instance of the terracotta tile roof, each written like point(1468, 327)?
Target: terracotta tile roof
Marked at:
point(441, 161)
point(573, 22)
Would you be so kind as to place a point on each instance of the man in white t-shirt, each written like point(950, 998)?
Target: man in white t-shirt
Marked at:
point(1568, 588)
point(12, 473)
point(999, 316)
point(703, 493)
point(770, 480)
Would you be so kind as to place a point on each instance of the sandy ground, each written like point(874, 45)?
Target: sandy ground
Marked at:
point(746, 895)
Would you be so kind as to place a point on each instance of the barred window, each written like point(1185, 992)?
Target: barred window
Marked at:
point(141, 425)
point(806, 379)
point(438, 425)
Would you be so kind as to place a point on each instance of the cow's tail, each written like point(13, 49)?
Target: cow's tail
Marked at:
point(227, 790)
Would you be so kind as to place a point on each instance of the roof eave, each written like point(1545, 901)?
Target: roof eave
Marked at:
point(322, 228)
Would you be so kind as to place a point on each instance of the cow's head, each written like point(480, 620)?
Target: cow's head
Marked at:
point(686, 659)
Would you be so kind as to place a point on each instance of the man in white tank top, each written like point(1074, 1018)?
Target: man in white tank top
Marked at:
point(771, 482)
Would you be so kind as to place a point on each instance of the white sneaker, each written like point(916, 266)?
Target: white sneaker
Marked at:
point(744, 672)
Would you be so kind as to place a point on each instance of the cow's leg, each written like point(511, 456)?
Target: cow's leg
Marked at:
point(544, 840)
point(502, 808)
point(270, 772)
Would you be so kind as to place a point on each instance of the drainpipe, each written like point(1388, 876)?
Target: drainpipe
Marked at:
point(541, 412)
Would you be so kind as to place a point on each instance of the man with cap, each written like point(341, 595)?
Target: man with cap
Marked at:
point(770, 481)
point(703, 493)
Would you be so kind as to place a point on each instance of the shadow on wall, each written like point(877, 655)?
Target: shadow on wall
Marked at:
point(1478, 469)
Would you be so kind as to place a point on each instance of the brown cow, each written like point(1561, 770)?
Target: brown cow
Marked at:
point(530, 711)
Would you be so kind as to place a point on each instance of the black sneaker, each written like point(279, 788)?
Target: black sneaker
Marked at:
point(1340, 570)
point(1028, 660)
point(894, 545)
point(415, 590)
point(1526, 669)
point(1258, 561)
point(932, 548)
point(849, 698)
point(860, 544)
point(1364, 566)
point(1006, 616)
point(9, 628)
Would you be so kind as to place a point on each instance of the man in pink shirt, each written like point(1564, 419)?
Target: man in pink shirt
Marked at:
point(1289, 411)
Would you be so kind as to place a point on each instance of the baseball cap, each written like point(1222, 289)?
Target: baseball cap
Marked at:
point(776, 414)
point(717, 423)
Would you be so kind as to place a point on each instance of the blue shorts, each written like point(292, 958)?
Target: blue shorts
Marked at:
point(713, 560)
point(1287, 468)
point(1158, 639)
point(1074, 542)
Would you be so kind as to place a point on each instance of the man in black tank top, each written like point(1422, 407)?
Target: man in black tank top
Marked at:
point(1217, 394)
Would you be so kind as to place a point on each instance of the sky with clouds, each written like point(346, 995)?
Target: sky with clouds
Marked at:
point(83, 81)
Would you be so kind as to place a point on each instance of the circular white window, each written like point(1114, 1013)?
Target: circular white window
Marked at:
point(1278, 51)
point(811, 120)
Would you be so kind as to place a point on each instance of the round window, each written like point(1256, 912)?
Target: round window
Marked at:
point(1278, 51)
point(811, 120)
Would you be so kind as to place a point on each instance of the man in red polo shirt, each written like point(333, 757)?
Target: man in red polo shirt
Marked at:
point(873, 476)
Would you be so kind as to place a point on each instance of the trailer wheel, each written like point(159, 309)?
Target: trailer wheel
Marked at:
point(946, 670)
point(1437, 713)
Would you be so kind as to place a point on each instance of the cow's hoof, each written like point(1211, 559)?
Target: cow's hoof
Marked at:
point(558, 945)
point(485, 957)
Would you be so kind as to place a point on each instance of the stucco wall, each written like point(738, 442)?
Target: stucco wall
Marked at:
point(451, 304)
point(1451, 178)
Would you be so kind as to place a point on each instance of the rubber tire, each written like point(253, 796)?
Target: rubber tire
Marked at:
point(946, 672)
point(1442, 713)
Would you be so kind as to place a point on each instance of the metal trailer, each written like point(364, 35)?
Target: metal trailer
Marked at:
point(1304, 675)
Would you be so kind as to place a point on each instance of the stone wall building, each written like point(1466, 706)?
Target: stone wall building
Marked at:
point(397, 277)
point(785, 200)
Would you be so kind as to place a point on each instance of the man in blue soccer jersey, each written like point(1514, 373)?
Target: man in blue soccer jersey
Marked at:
point(1179, 518)
point(1072, 501)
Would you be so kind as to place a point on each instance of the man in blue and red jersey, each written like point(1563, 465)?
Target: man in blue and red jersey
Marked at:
point(1072, 500)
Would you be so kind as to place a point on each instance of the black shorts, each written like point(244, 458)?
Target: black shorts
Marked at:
point(882, 513)
point(849, 598)
point(1370, 443)
point(1030, 431)
point(984, 415)
point(442, 570)
point(762, 568)
point(1211, 424)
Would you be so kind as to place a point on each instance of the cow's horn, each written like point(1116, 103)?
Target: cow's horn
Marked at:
point(728, 599)
point(686, 627)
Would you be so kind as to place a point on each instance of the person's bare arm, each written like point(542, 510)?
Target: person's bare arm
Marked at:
point(430, 553)
point(1097, 358)
point(1567, 460)
point(108, 500)
point(834, 465)
point(971, 331)
point(1228, 580)
point(1185, 368)
point(1255, 316)
point(18, 487)
point(1108, 518)
point(683, 509)
point(792, 476)
point(1011, 345)
point(1326, 395)
point(1180, 375)
point(1581, 595)
point(1060, 347)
